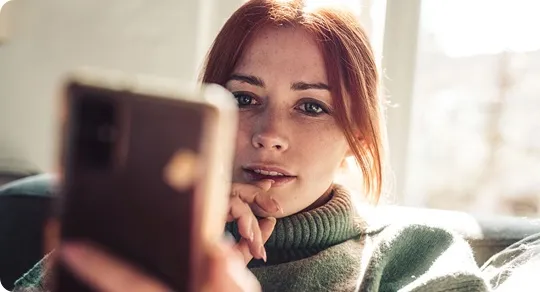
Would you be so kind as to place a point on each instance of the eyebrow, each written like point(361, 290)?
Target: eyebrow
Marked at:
point(253, 80)
point(306, 86)
point(297, 86)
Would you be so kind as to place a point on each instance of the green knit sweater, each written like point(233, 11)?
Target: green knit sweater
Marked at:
point(329, 249)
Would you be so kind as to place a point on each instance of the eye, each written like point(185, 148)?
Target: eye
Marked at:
point(313, 108)
point(244, 99)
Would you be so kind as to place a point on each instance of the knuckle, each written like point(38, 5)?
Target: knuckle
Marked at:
point(235, 193)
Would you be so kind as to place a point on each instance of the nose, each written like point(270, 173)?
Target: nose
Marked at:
point(269, 134)
point(269, 141)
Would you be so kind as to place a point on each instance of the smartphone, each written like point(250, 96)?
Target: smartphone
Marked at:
point(146, 171)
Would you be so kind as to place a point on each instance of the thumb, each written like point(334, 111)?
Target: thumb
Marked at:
point(227, 272)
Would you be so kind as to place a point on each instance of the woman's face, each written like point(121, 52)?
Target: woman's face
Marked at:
point(287, 130)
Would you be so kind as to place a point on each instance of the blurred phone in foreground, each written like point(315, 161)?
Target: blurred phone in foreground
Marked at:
point(145, 173)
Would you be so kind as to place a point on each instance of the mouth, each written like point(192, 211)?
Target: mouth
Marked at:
point(253, 173)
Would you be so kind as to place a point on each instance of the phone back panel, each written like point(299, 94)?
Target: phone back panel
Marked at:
point(126, 161)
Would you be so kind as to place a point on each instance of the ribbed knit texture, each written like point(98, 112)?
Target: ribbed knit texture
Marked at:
point(304, 234)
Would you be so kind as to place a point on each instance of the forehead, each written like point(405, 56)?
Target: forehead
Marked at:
point(291, 52)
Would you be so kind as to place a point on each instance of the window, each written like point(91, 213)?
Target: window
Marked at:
point(371, 14)
point(474, 141)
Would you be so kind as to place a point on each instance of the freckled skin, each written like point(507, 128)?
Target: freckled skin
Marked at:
point(311, 147)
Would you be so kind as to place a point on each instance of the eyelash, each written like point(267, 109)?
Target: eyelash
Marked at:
point(323, 108)
point(237, 96)
point(303, 104)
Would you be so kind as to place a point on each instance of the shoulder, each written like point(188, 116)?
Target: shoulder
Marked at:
point(35, 279)
point(403, 235)
point(515, 266)
point(420, 257)
point(416, 243)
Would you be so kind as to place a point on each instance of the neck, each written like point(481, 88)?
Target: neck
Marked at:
point(321, 201)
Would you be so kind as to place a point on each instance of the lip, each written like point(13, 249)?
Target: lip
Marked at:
point(267, 167)
point(252, 177)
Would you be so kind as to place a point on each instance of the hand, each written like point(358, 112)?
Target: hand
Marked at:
point(254, 232)
point(105, 273)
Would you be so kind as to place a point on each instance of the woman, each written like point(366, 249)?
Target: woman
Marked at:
point(307, 88)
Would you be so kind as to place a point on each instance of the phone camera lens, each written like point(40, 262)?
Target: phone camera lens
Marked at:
point(95, 130)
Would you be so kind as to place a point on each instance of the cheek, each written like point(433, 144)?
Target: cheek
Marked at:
point(323, 147)
point(243, 138)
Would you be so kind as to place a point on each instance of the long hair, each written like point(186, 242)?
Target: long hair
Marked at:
point(349, 62)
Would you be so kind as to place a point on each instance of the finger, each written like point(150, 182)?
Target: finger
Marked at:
point(227, 271)
point(248, 227)
point(104, 272)
point(52, 234)
point(265, 184)
point(266, 225)
point(257, 245)
point(241, 212)
point(246, 191)
point(257, 195)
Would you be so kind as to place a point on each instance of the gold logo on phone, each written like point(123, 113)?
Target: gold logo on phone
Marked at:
point(181, 170)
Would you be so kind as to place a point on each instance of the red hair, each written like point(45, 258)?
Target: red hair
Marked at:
point(349, 63)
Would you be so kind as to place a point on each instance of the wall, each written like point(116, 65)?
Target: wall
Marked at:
point(48, 38)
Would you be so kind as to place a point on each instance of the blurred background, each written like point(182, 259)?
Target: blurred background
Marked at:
point(462, 77)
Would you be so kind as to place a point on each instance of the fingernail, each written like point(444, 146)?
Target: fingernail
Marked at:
point(263, 252)
point(266, 184)
point(251, 236)
point(278, 207)
point(274, 220)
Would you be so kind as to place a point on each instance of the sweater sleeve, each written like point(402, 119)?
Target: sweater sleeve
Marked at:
point(34, 280)
point(516, 267)
point(419, 258)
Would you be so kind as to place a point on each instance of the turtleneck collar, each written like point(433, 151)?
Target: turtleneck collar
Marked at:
point(306, 233)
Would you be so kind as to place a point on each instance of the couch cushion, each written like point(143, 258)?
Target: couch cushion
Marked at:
point(36, 185)
point(24, 208)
